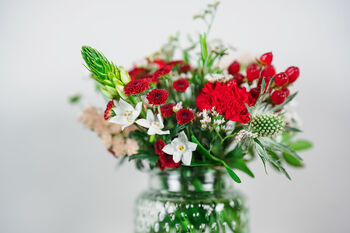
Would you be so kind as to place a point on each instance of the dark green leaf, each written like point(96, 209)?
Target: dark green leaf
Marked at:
point(241, 165)
point(237, 153)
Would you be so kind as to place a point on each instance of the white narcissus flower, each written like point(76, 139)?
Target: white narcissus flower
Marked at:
point(153, 123)
point(181, 149)
point(126, 114)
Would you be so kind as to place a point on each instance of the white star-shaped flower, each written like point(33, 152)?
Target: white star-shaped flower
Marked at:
point(126, 114)
point(154, 124)
point(181, 149)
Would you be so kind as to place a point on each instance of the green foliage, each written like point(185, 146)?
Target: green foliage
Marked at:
point(74, 99)
point(206, 153)
point(265, 157)
point(300, 145)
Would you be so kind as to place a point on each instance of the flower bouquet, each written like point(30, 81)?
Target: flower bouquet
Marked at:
point(193, 123)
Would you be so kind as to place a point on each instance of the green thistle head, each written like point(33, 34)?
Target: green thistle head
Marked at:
point(267, 125)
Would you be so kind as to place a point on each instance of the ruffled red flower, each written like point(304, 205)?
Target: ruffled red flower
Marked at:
point(181, 85)
point(158, 146)
point(164, 160)
point(228, 100)
point(157, 96)
point(167, 110)
point(183, 116)
point(109, 112)
point(150, 78)
point(159, 62)
point(162, 71)
point(138, 72)
point(176, 62)
point(136, 87)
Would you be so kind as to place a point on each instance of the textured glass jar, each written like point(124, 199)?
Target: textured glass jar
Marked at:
point(193, 200)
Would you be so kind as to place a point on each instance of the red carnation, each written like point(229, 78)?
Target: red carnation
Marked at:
point(181, 85)
point(136, 87)
point(183, 116)
point(162, 71)
point(165, 160)
point(157, 96)
point(167, 110)
point(109, 112)
point(228, 100)
point(138, 72)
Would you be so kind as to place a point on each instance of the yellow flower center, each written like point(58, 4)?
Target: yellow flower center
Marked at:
point(181, 148)
point(127, 114)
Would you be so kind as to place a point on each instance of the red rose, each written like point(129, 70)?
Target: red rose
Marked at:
point(183, 116)
point(181, 85)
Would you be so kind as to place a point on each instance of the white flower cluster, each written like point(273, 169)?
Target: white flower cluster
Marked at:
point(206, 119)
point(218, 77)
point(207, 122)
point(187, 75)
point(243, 134)
point(177, 107)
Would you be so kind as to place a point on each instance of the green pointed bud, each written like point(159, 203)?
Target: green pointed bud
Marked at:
point(267, 125)
point(124, 75)
point(120, 90)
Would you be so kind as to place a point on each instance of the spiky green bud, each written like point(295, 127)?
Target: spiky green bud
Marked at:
point(98, 64)
point(266, 125)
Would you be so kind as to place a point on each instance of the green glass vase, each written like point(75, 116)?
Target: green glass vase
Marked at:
point(191, 199)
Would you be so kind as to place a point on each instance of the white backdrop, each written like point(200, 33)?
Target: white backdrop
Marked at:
point(56, 177)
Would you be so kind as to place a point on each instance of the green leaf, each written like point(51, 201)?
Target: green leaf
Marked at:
point(203, 43)
point(273, 145)
point(151, 157)
point(262, 153)
point(203, 151)
point(175, 131)
point(288, 128)
point(300, 144)
point(74, 99)
point(291, 160)
point(237, 153)
point(242, 166)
